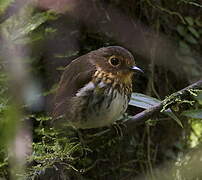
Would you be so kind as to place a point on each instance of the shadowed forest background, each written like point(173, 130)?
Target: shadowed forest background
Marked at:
point(39, 38)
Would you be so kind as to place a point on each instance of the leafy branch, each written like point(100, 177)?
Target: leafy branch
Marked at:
point(143, 116)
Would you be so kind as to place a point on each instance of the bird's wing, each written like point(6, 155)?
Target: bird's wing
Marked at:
point(78, 73)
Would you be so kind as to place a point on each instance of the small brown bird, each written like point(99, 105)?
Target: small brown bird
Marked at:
point(95, 88)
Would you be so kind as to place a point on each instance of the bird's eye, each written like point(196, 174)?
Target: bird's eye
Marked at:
point(114, 61)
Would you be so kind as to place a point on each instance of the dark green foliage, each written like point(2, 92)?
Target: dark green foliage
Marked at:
point(54, 39)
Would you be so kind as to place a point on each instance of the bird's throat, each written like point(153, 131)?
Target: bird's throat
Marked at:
point(120, 81)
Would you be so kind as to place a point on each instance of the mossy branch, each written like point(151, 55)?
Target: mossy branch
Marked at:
point(143, 116)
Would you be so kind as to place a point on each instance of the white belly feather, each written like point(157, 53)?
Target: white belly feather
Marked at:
point(107, 113)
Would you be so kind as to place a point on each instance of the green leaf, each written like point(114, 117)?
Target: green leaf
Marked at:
point(143, 101)
point(184, 47)
point(198, 22)
point(4, 4)
point(189, 20)
point(24, 23)
point(189, 38)
point(194, 32)
point(195, 114)
point(199, 97)
point(33, 23)
point(169, 113)
point(8, 123)
point(181, 30)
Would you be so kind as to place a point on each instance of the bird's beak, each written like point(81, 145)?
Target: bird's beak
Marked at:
point(135, 68)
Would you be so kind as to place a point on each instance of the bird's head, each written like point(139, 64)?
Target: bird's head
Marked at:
point(115, 61)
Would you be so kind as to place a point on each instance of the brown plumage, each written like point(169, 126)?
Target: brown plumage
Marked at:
point(92, 85)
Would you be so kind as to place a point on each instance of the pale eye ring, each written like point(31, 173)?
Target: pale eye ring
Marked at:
point(114, 61)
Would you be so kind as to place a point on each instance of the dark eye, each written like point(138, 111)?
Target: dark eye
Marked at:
point(114, 61)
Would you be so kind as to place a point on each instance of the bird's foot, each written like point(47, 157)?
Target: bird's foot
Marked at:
point(119, 126)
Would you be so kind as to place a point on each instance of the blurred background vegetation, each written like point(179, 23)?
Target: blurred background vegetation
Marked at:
point(39, 38)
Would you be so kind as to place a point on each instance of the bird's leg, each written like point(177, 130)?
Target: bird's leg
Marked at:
point(83, 144)
point(118, 126)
